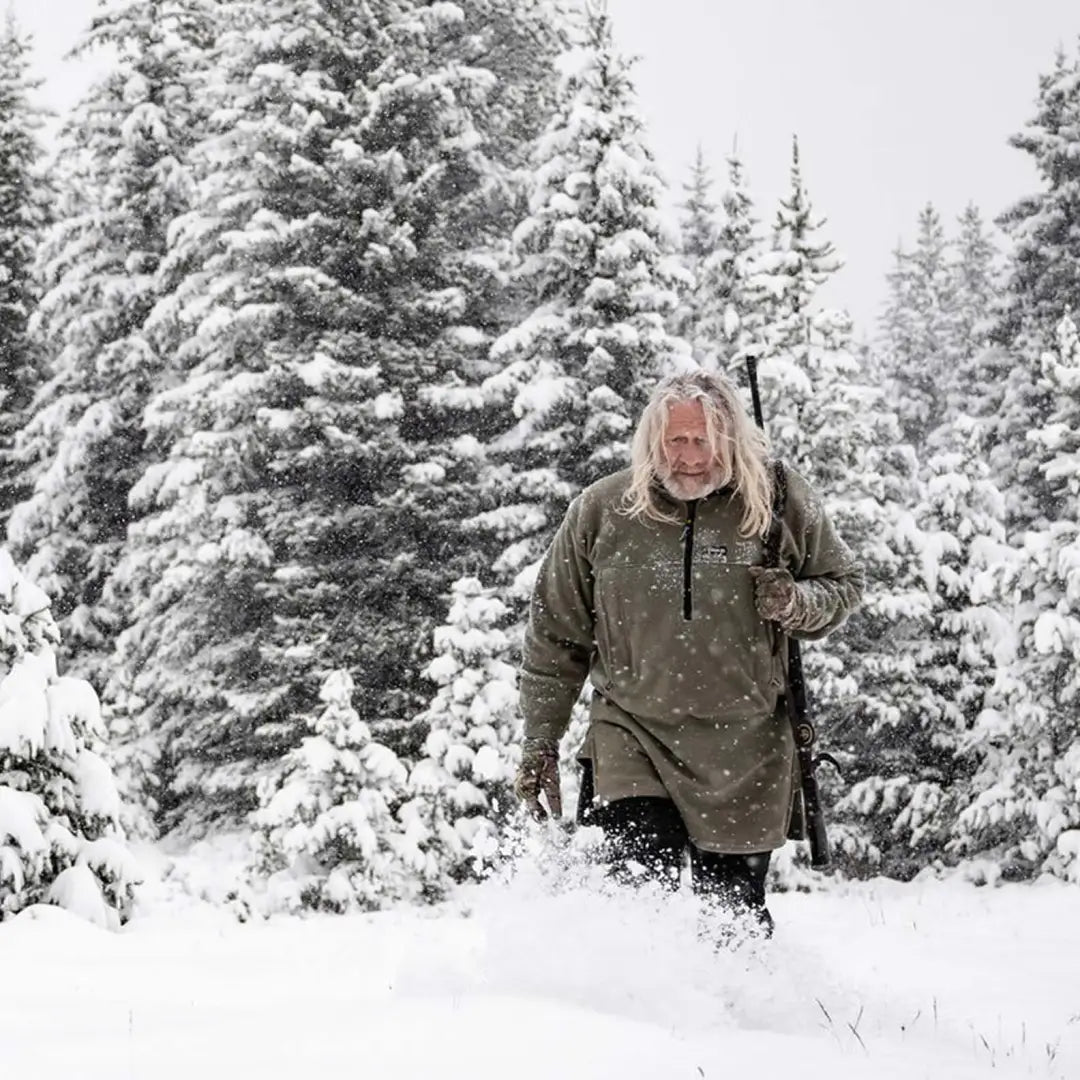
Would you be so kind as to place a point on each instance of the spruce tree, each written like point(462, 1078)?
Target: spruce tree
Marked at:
point(970, 387)
point(698, 222)
point(736, 282)
point(802, 260)
point(1024, 791)
point(327, 832)
point(698, 228)
point(463, 782)
point(806, 350)
point(896, 322)
point(1044, 265)
point(976, 285)
point(445, 418)
point(1042, 282)
point(334, 296)
point(863, 684)
point(912, 773)
point(1025, 809)
point(23, 215)
point(121, 184)
point(960, 515)
point(601, 274)
point(928, 613)
point(921, 331)
point(60, 836)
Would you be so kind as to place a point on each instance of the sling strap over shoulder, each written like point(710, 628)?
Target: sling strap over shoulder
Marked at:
point(779, 503)
point(795, 696)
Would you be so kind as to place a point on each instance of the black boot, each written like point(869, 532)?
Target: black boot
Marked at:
point(733, 888)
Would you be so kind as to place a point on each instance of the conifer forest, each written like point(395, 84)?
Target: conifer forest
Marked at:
point(313, 321)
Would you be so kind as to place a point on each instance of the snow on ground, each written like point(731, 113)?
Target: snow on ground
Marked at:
point(550, 976)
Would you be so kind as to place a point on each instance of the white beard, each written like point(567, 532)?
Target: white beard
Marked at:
point(686, 488)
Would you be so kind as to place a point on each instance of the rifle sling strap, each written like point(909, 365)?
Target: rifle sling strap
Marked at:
point(779, 503)
point(801, 727)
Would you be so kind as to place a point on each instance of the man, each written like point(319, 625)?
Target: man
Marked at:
point(654, 589)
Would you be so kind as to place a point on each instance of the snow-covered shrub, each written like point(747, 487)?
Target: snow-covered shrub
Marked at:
point(328, 832)
point(790, 869)
point(462, 786)
point(60, 836)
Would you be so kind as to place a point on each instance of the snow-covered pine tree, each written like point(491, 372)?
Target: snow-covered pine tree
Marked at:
point(908, 809)
point(332, 274)
point(1042, 282)
point(463, 783)
point(976, 280)
point(971, 387)
point(806, 354)
point(894, 323)
point(735, 282)
point(599, 268)
point(1044, 264)
point(270, 445)
point(121, 182)
point(23, 215)
point(698, 231)
point(743, 279)
point(912, 772)
point(444, 419)
point(60, 837)
point(864, 691)
point(1025, 809)
point(698, 222)
point(947, 531)
point(920, 331)
point(1025, 789)
point(327, 832)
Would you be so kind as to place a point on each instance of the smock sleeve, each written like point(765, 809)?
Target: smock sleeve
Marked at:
point(828, 578)
point(559, 640)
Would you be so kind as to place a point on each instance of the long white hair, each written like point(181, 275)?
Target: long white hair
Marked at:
point(739, 446)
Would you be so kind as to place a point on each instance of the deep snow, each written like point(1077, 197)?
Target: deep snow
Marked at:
point(548, 976)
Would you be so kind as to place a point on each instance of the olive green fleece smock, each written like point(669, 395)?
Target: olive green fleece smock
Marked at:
point(687, 676)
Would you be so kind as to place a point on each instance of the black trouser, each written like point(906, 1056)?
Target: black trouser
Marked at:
point(645, 839)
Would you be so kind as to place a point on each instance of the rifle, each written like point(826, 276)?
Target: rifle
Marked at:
point(795, 695)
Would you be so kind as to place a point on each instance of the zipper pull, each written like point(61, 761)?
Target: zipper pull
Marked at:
point(688, 524)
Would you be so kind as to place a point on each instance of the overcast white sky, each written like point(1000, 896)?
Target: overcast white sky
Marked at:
point(894, 103)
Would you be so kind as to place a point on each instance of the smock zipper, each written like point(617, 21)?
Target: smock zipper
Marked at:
point(688, 560)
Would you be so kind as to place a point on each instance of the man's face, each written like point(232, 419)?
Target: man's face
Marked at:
point(689, 470)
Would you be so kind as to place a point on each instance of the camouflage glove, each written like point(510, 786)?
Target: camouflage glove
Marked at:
point(539, 772)
point(775, 594)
